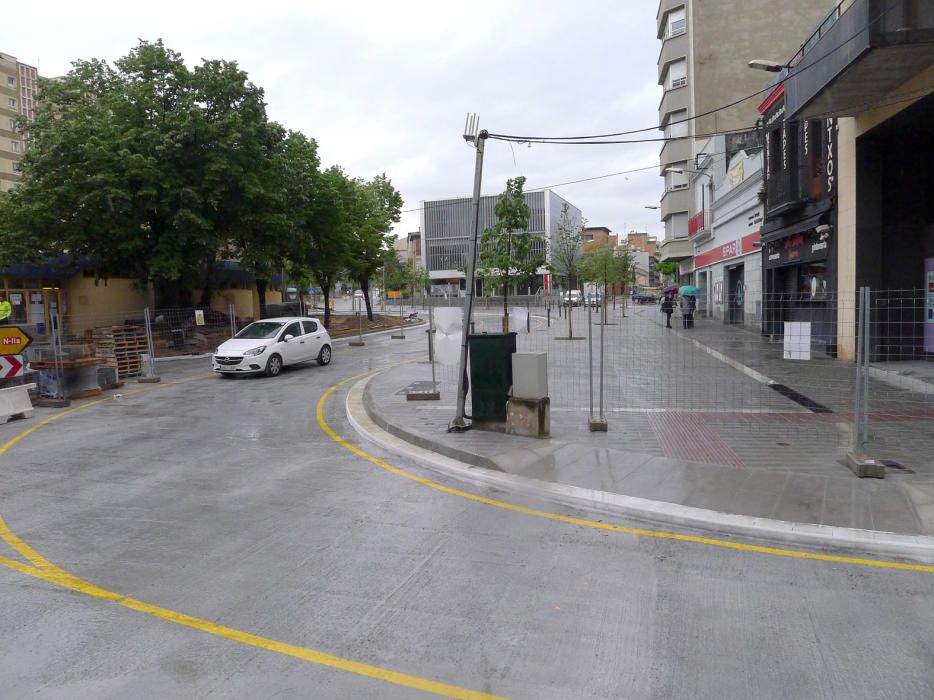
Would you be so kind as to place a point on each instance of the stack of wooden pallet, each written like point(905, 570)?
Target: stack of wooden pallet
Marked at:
point(120, 347)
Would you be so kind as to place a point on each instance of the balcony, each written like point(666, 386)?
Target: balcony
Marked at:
point(860, 56)
point(676, 249)
point(700, 226)
point(673, 48)
point(675, 202)
point(674, 99)
point(674, 152)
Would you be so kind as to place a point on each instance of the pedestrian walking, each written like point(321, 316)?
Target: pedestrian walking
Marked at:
point(688, 306)
point(668, 308)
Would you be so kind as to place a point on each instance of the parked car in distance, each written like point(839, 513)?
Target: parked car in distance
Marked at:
point(269, 345)
point(644, 297)
point(572, 297)
point(595, 299)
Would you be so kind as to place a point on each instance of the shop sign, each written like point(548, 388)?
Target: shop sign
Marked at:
point(794, 249)
point(16, 299)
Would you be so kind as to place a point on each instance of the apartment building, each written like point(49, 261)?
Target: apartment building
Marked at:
point(18, 88)
point(702, 66)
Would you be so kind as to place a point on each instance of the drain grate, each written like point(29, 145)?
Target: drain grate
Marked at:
point(800, 398)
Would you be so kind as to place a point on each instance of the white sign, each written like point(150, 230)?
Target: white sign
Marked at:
point(797, 341)
point(518, 319)
point(16, 299)
point(199, 317)
point(449, 322)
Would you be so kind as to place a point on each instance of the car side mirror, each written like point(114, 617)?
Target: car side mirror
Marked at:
point(288, 337)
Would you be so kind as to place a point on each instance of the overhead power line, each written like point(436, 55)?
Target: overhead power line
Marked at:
point(590, 138)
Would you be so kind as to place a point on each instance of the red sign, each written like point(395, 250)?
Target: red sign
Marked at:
point(11, 366)
point(728, 250)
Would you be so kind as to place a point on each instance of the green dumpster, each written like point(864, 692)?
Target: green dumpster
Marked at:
point(490, 375)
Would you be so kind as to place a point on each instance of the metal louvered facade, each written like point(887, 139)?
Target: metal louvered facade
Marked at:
point(445, 229)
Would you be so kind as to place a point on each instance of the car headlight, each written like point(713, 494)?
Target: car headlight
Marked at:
point(255, 351)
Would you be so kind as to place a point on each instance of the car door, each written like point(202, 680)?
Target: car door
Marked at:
point(292, 350)
point(313, 335)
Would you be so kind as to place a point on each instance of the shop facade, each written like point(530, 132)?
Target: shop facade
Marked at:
point(726, 230)
point(799, 248)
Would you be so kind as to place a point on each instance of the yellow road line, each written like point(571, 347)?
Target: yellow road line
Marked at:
point(659, 534)
point(45, 570)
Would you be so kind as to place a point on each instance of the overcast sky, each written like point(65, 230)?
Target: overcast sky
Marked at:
point(385, 86)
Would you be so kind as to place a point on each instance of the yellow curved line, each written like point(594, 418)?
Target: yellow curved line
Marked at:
point(45, 570)
point(658, 534)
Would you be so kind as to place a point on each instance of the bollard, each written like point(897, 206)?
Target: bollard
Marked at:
point(549, 316)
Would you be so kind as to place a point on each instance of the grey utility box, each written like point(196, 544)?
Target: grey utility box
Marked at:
point(530, 375)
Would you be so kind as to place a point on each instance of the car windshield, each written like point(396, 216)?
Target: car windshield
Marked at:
point(260, 330)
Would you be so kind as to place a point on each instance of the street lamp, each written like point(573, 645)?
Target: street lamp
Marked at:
point(768, 66)
point(652, 206)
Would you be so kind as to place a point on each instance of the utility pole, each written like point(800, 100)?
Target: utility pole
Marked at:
point(478, 139)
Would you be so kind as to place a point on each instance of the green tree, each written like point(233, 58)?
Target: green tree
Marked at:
point(566, 255)
point(373, 207)
point(320, 204)
point(606, 265)
point(667, 269)
point(506, 248)
point(145, 167)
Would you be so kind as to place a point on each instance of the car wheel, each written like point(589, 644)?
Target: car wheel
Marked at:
point(273, 366)
point(324, 356)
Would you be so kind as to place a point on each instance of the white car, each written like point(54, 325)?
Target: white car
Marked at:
point(269, 345)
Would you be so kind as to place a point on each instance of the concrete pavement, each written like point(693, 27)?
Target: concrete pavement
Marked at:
point(229, 501)
point(767, 458)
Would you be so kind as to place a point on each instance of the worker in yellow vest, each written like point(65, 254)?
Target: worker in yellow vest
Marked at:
point(6, 310)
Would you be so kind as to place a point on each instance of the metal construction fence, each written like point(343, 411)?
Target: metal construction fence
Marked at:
point(813, 379)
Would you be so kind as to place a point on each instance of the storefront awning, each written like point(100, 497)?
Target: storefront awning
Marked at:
point(778, 232)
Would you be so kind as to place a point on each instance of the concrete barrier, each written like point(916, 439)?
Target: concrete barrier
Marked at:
point(15, 403)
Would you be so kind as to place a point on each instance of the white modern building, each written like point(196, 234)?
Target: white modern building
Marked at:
point(445, 227)
point(726, 187)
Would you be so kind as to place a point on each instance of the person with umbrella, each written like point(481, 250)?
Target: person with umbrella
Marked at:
point(668, 307)
point(689, 294)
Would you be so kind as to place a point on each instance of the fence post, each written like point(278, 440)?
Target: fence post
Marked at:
point(602, 345)
point(232, 311)
point(150, 376)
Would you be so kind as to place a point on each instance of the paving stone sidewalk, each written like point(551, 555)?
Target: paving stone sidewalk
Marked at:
point(722, 460)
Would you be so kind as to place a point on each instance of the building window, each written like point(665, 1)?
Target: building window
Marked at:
point(12, 102)
point(14, 146)
point(677, 24)
point(775, 151)
point(12, 125)
point(677, 74)
point(677, 125)
point(10, 81)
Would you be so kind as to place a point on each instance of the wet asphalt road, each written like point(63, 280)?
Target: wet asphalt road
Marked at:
point(225, 500)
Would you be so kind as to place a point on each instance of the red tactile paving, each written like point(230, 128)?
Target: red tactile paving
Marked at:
point(688, 436)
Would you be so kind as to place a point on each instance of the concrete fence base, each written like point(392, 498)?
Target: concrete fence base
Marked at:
point(15, 403)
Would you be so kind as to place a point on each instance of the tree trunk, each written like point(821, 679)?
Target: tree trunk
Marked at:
point(365, 288)
point(568, 308)
point(506, 306)
point(327, 308)
point(261, 293)
point(207, 289)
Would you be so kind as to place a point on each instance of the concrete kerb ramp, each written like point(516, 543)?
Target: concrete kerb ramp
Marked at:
point(367, 422)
